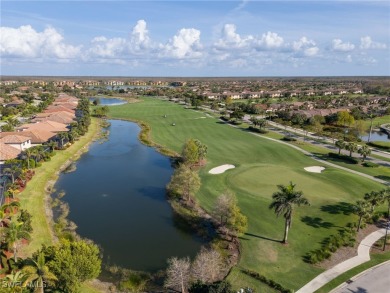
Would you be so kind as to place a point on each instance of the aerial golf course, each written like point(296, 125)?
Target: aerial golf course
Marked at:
point(260, 165)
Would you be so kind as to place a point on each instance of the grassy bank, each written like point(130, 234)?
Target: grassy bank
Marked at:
point(260, 165)
point(33, 198)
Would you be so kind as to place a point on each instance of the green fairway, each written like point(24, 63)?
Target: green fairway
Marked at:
point(260, 165)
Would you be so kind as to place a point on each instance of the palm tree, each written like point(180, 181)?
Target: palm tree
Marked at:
point(12, 190)
point(374, 199)
point(262, 123)
point(284, 201)
point(254, 120)
point(12, 171)
point(52, 145)
point(340, 144)
point(6, 210)
point(28, 153)
point(14, 232)
point(364, 151)
point(38, 272)
point(351, 147)
point(16, 280)
point(361, 210)
point(386, 197)
point(371, 117)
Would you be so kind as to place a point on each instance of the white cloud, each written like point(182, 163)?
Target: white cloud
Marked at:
point(26, 42)
point(311, 51)
point(185, 44)
point(338, 45)
point(140, 35)
point(270, 40)
point(230, 39)
point(306, 47)
point(106, 48)
point(367, 43)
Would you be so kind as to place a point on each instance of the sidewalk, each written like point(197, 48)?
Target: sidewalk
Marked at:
point(362, 257)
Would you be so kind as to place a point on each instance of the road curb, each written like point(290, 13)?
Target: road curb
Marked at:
point(359, 275)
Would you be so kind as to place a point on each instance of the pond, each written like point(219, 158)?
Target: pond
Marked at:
point(108, 101)
point(117, 198)
point(377, 136)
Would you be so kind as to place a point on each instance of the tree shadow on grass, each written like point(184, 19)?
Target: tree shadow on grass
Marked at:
point(316, 222)
point(262, 237)
point(340, 208)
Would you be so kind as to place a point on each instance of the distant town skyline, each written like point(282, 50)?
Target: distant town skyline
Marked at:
point(195, 38)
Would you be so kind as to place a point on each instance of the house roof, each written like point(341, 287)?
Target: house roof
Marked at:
point(60, 117)
point(8, 152)
point(68, 105)
point(37, 136)
point(51, 126)
point(14, 138)
point(58, 108)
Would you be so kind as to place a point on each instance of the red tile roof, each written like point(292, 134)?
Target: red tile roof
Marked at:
point(8, 152)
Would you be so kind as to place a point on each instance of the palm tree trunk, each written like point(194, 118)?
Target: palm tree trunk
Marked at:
point(15, 252)
point(41, 288)
point(339, 151)
point(360, 222)
point(286, 227)
point(369, 134)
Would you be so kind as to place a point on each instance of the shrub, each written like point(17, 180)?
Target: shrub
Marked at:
point(224, 118)
point(370, 165)
point(265, 280)
point(345, 237)
point(288, 138)
point(258, 130)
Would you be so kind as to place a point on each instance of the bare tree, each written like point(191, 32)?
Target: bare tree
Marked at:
point(207, 266)
point(222, 207)
point(229, 214)
point(178, 274)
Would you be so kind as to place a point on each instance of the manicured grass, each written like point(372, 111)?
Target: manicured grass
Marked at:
point(380, 172)
point(33, 197)
point(377, 121)
point(375, 260)
point(260, 165)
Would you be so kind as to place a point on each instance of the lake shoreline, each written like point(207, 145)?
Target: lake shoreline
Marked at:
point(36, 196)
point(183, 211)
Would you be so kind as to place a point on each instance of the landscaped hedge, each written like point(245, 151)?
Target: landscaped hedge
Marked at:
point(224, 118)
point(258, 130)
point(345, 237)
point(288, 138)
point(344, 158)
point(265, 280)
point(370, 165)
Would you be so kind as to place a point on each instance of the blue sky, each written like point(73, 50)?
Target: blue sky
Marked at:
point(195, 38)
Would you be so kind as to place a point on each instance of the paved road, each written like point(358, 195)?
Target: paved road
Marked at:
point(328, 140)
point(375, 280)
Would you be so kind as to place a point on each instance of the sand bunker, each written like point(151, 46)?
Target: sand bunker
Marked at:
point(314, 169)
point(221, 169)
